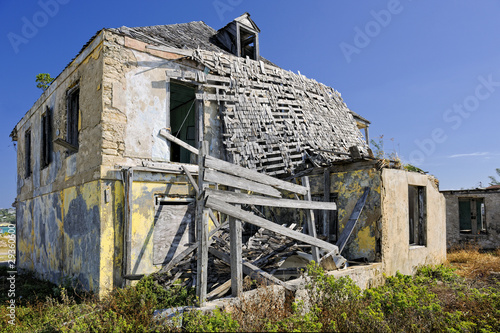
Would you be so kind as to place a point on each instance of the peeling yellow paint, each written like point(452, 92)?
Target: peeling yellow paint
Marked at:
point(365, 239)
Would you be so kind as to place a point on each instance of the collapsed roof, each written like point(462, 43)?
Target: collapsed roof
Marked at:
point(275, 121)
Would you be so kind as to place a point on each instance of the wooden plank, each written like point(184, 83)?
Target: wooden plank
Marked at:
point(236, 260)
point(344, 236)
point(212, 176)
point(229, 209)
point(202, 272)
point(202, 217)
point(65, 144)
point(178, 258)
point(197, 190)
point(188, 251)
point(128, 176)
point(236, 170)
point(191, 179)
point(168, 136)
point(326, 198)
point(311, 223)
point(188, 53)
point(220, 290)
point(253, 271)
point(248, 199)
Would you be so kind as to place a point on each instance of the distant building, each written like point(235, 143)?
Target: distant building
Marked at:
point(473, 216)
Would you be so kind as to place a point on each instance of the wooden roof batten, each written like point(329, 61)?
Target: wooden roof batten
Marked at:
point(276, 121)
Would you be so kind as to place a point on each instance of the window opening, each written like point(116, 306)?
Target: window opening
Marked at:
point(27, 154)
point(46, 139)
point(248, 44)
point(471, 214)
point(327, 230)
point(182, 120)
point(73, 121)
point(417, 214)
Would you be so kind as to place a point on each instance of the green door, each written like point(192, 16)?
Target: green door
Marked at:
point(464, 214)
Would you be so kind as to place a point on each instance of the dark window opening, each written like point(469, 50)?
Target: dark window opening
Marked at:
point(46, 139)
point(326, 229)
point(248, 44)
point(73, 121)
point(182, 120)
point(27, 154)
point(471, 214)
point(417, 214)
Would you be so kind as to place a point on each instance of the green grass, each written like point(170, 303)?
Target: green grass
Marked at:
point(435, 299)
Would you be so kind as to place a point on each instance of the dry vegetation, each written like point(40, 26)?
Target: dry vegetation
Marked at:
point(4, 248)
point(474, 264)
point(462, 295)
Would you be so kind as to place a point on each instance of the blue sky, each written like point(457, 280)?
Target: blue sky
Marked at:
point(426, 74)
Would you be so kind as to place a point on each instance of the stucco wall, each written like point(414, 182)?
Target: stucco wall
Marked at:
point(397, 254)
point(490, 240)
point(58, 207)
point(145, 187)
point(136, 104)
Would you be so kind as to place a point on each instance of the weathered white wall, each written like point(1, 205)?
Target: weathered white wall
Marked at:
point(136, 104)
point(397, 254)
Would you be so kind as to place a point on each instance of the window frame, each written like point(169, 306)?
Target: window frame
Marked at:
point(46, 139)
point(475, 205)
point(417, 215)
point(73, 117)
point(27, 153)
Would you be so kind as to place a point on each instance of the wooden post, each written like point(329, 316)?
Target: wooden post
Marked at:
point(202, 217)
point(311, 227)
point(167, 120)
point(326, 198)
point(236, 256)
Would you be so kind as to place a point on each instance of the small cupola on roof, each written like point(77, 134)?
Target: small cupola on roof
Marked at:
point(240, 37)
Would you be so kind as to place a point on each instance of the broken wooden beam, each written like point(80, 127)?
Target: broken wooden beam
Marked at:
point(353, 219)
point(189, 250)
point(247, 199)
point(212, 176)
point(202, 217)
point(311, 223)
point(197, 190)
point(170, 137)
point(238, 213)
point(253, 271)
point(236, 170)
point(219, 291)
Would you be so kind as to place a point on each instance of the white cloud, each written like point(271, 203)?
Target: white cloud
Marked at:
point(470, 155)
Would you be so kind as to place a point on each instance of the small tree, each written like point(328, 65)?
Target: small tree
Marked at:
point(493, 180)
point(44, 80)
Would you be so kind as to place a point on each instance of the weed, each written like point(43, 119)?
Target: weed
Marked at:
point(217, 321)
point(440, 298)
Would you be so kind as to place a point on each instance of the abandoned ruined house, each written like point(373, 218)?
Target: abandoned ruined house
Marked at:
point(109, 158)
point(473, 217)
